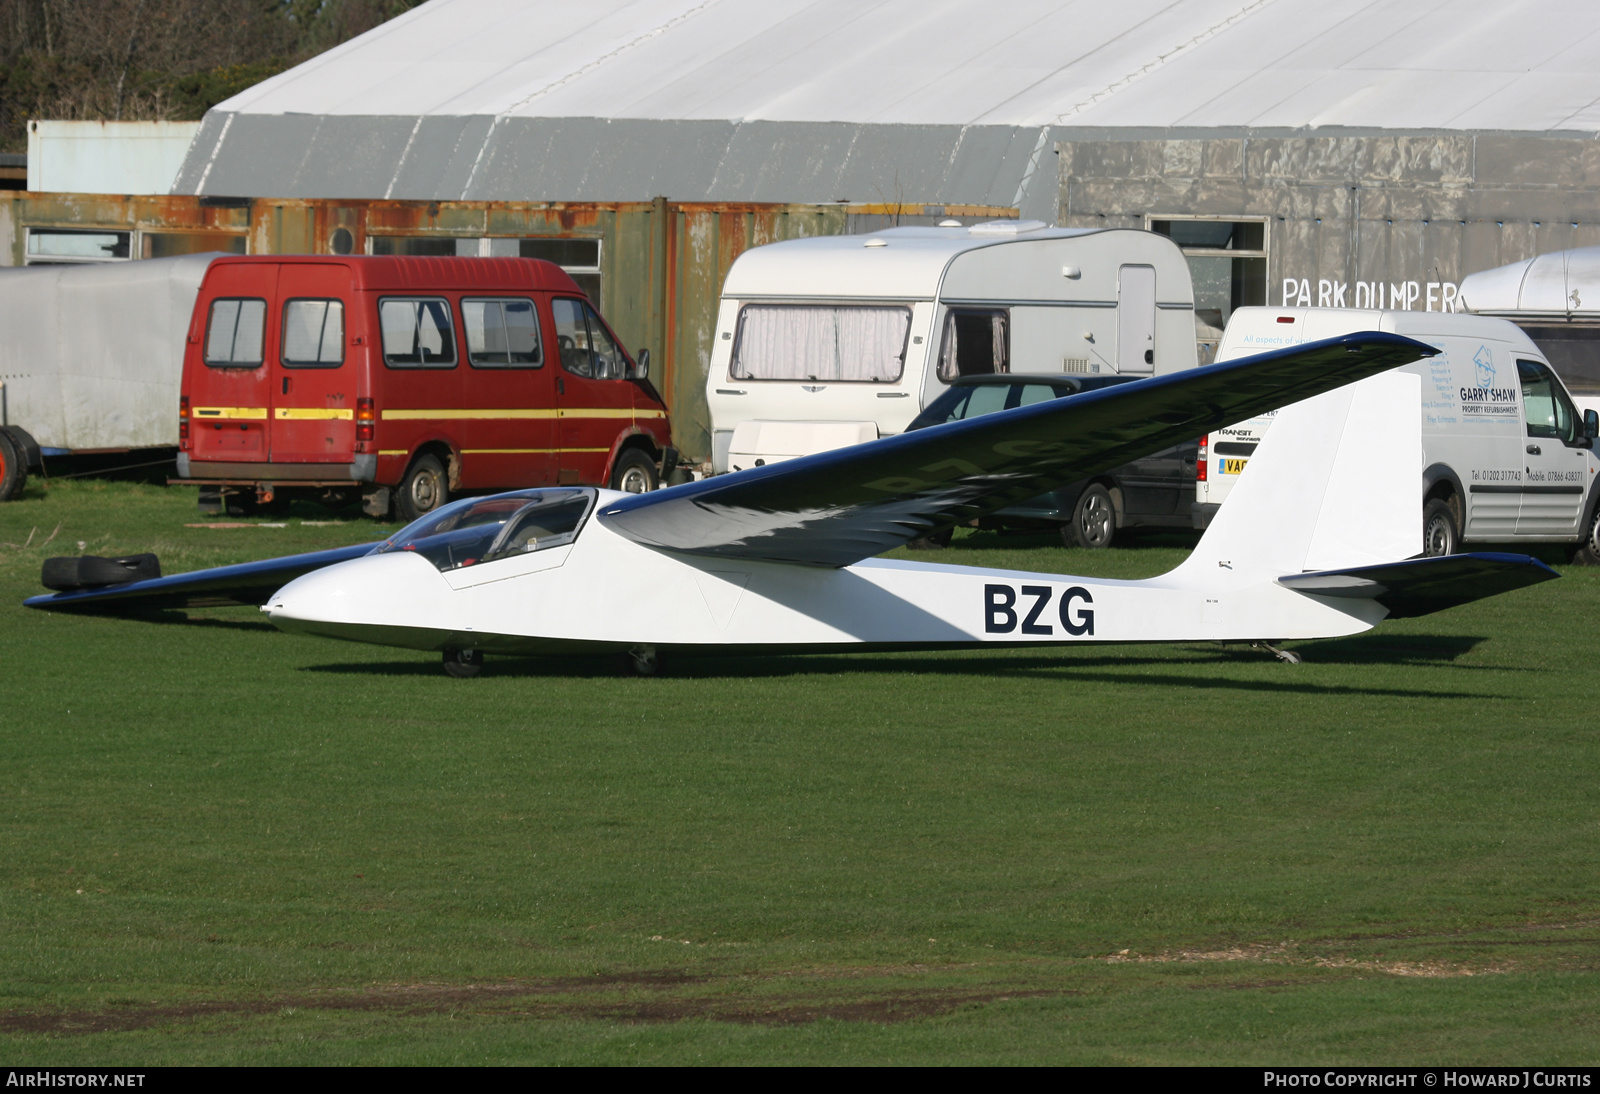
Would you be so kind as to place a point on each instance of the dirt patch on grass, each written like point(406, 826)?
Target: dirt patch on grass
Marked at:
point(1289, 953)
point(646, 997)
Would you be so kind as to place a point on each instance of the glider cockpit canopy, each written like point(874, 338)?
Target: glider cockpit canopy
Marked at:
point(476, 530)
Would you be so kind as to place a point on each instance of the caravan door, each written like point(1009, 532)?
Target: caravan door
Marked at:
point(1136, 319)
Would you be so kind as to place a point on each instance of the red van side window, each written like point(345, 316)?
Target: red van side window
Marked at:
point(417, 333)
point(234, 333)
point(586, 348)
point(502, 333)
point(313, 334)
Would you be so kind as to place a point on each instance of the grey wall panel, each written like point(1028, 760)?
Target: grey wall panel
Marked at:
point(261, 156)
point(437, 149)
point(351, 157)
point(790, 161)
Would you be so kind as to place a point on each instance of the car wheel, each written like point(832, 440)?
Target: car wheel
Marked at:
point(13, 470)
point(1440, 536)
point(423, 490)
point(635, 473)
point(936, 540)
point(463, 664)
point(1588, 552)
point(1094, 519)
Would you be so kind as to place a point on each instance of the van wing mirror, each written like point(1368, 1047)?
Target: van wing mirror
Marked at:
point(1591, 425)
point(641, 366)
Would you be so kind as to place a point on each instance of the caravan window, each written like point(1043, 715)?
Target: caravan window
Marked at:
point(842, 343)
point(975, 343)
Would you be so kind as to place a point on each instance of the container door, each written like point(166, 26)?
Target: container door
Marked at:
point(595, 398)
point(312, 390)
point(229, 393)
point(1555, 475)
point(508, 376)
point(1136, 319)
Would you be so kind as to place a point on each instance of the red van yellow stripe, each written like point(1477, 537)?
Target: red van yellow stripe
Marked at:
point(312, 414)
point(514, 413)
point(231, 413)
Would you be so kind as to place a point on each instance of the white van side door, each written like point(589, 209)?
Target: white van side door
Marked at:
point(1555, 468)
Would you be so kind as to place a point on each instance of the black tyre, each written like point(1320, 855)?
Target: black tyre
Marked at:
point(13, 468)
point(1587, 552)
point(936, 540)
point(463, 664)
point(1441, 535)
point(424, 488)
point(1094, 520)
point(634, 473)
point(92, 572)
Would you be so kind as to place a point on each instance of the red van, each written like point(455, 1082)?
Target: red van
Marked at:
point(407, 379)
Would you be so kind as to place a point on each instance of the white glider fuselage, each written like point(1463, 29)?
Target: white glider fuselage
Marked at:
point(606, 592)
point(1337, 483)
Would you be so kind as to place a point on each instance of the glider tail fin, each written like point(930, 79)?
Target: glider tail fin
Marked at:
point(1336, 483)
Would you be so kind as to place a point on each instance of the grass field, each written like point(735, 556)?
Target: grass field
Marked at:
point(223, 844)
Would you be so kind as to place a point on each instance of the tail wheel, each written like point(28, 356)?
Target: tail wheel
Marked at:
point(463, 664)
point(424, 488)
point(1094, 519)
point(13, 471)
point(635, 473)
point(1440, 535)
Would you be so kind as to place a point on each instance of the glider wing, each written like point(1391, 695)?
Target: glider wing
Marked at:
point(836, 508)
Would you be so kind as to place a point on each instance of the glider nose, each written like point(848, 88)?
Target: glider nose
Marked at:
point(361, 599)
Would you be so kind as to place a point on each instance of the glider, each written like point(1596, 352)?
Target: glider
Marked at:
point(1318, 540)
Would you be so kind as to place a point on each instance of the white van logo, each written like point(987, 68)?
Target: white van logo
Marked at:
point(1485, 362)
point(1486, 400)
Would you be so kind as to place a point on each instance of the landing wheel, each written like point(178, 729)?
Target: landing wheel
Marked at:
point(463, 664)
point(635, 473)
point(423, 490)
point(1440, 536)
point(1094, 520)
point(642, 661)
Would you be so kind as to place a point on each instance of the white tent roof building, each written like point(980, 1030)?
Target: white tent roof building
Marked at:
point(953, 101)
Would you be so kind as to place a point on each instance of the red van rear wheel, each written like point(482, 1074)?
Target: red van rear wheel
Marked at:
point(13, 474)
point(423, 490)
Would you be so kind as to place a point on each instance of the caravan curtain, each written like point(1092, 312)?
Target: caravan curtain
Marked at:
point(843, 343)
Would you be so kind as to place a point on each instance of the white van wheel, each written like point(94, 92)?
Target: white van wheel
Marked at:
point(1588, 552)
point(1439, 533)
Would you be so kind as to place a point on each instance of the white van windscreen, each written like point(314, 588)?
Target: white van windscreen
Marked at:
point(840, 343)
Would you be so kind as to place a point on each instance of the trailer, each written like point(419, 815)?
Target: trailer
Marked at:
point(90, 359)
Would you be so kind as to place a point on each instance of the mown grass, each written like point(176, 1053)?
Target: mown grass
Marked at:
point(225, 844)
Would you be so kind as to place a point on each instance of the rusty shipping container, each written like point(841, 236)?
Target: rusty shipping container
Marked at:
point(655, 268)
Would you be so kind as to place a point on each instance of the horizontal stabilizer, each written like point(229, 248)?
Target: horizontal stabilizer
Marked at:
point(836, 508)
point(1420, 586)
point(245, 583)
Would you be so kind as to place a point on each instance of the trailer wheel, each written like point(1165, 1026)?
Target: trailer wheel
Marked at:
point(423, 489)
point(1440, 536)
point(635, 473)
point(463, 664)
point(1094, 519)
point(13, 468)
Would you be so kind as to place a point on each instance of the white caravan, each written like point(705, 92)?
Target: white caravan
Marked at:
point(827, 342)
point(1508, 457)
point(1555, 299)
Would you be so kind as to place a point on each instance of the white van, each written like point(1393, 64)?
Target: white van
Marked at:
point(1507, 458)
point(835, 340)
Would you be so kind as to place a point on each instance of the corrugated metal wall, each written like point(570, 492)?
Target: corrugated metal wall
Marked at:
point(662, 263)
